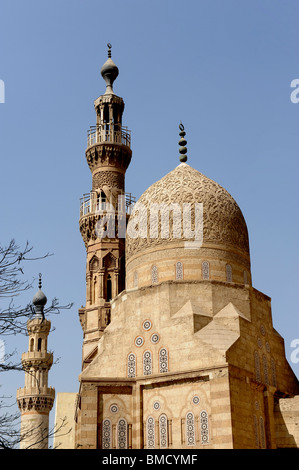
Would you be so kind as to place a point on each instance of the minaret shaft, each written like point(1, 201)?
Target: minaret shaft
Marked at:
point(103, 212)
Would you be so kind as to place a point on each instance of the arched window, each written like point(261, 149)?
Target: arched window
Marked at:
point(131, 365)
point(179, 271)
point(150, 430)
point(245, 278)
point(108, 288)
point(257, 366)
point(229, 274)
point(154, 274)
point(106, 434)
point(102, 199)
point(190, 429)
point(163, 360)
point(273, 373)
point(39, 344)
point(163, 431)
point(147, 363)
point(262, 433)
point(256, 431)
point(31, 344)
point(205, 268)
point(265, 367)
point(122, 434)
point(204, 427)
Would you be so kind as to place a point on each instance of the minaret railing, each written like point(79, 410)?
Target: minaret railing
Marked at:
point(91, 203)
point(107, 133)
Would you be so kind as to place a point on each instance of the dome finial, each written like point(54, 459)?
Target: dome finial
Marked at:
point(40, 281)
point(39, 300)
point(109, 72)
point(182, 144)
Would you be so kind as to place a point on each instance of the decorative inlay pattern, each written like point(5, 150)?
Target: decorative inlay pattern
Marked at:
point(163, 431)
point(273, 373)
point(147, 324)
point(268, 347)
point(112, 179)
point(114, 408)
point(135, 279)
point(106, 434)
point(147, 363)
point(229, 273)
point(131, 365)
point(257, 366)
point(259, 342)
point(139, 341)
point(155, 338)
point(205, 267)
point(190, 431)
point(150, 432)
point(204, 427)
point(265, 366)
point(223, 222)
point(163, 360)
point(263, 331)
point(195, 400)
point(122, 434)
point(154, 275)
point(179, 271)
point(156, 405)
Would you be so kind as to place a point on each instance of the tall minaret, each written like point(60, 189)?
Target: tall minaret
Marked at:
point(104, 212)
point(36, 399)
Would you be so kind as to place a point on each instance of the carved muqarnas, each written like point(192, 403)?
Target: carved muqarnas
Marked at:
point(112, 179)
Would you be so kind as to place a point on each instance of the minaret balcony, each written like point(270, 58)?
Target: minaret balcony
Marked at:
point(91, 203)
point(35, 391)
point(108, 134)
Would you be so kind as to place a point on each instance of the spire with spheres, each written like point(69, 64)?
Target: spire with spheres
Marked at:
point(39, 300)
point(109, 72)
point(182, 144)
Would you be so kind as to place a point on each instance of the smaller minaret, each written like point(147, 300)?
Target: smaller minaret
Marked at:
point(36, 399)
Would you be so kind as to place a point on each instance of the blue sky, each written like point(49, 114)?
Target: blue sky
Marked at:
point(222, 67)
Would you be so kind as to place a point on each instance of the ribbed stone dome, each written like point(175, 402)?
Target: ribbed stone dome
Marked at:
point(223, 222)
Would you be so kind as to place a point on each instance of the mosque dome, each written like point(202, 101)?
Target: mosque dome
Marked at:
point(224, 231)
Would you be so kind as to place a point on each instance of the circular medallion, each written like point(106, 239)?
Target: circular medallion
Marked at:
point(195, 400)
point(156, 405)
point(147, 324)
point(139, 341)
point(114, 408)
point(155, 338)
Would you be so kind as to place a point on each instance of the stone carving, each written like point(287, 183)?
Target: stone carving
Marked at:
point(106, 434)
point(112, 179)
point(223, 222)
point(112, 155)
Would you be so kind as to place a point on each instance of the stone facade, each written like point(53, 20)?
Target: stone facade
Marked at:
point(187, 356)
